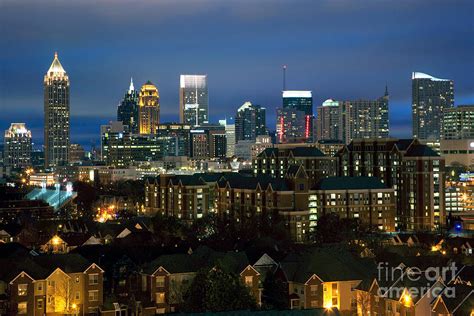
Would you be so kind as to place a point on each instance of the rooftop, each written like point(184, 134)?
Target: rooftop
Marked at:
point(349, 183)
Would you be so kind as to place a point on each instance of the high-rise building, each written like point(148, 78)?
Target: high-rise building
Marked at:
point(301, 101)
point(290, 126)
point(457, 139)
point(208, 141)
point(430, 98)
point(366, 118)
point(250, 122)
point(148, 108)
point(348, 120)
point(193, 100)
point(17, 146)
point(127, 110)
point(229, 126)
point(56, 115)
point(328, 121)
point(414, 170)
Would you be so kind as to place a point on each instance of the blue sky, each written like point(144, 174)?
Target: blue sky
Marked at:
point(341, 49)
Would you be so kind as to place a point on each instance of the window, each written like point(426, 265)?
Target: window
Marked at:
point(160, 297)
point(77, 279)
point(22, 289)
point(78, 295)
point(22, 307)
point(93, 296)
point(39, 287)
point(314, 290)
point(160, 281)
point(249, 280)
point(39, 303)
point(93, 279)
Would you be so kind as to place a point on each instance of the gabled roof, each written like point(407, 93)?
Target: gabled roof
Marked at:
point(462, 294)
point(349, 183)
point(329, 264)
point(420, 150)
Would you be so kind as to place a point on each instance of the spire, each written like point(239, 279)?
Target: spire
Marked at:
point(131, 88)
point(386, 90)
point(56, 67)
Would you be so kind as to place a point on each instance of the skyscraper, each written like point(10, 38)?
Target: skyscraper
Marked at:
point(56, 115)
point(457, 139)
point(430, 97)
point(127, 110)
point(250, 122)
point(329, 121)
point(301, 101)
point(366, 118)
point(348, 120)
point(17, 150)
point(290, 126)
point(148, 108)
point(193, 100)
point(229, 125)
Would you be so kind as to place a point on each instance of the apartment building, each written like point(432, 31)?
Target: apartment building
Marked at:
point(53, 285)
point(414, 170)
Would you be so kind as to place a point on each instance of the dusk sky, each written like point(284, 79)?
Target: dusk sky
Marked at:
point(338, 49)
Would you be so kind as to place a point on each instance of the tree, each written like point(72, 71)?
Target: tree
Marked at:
point(217, 291)
point(275, 292)
point(332, 229)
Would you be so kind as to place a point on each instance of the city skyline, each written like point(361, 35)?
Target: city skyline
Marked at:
point(232, 77)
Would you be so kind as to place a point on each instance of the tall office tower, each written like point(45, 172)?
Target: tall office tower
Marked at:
point(229, 126)
point(193, 100)
point(56, 115)
point(366, 118)
point(457, 139)
point(250, 122)
point(148, 108)
point(328, 121)
point(290, 126)
point(17, 146)
point(430, 97)
point(127, 110)
point(301, 101)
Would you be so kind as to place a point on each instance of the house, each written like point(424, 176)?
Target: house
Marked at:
point(52, 285)
point(165, 279)
point(324, 277)
point(457, 302)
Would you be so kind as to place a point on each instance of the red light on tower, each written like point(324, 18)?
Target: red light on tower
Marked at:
point(307, 126)
point(281, 128)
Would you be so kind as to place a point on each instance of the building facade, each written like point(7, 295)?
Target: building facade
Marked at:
point(301, 101)
point(193, 100)
point(430, 98)
point(17, 146)
point(328, 121)
point(148, 108)
point(457, 141)
point(250, 122)
point(56, 115)
point(414, 170)
point(127, 110)
point(290, 126)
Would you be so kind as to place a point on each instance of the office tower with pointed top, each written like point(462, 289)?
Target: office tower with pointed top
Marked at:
point(148, 108)
point(193, 100)
point(127, 110)
point(56, 115)
point(430, 97)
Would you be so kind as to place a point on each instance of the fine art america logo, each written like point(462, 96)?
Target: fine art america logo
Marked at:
point(412, 282)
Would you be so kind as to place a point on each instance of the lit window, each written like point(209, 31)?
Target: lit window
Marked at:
point(22, 308)
point(160, 281)
point(160, 297)
point(249, 280)
point(93, 279)
point(93, 296)
point(22, 289)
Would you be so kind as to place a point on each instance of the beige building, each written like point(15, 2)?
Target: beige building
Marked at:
point(148, 109)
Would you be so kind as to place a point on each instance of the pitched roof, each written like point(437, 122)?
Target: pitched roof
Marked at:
point(329, 264)
point(307, 152)
point(420, 150)
point(349, 183)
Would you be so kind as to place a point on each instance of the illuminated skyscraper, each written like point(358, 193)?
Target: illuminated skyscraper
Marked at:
point(301, 101)
point(127, 111)
point(193, 100)
point(56, 115)
point(329, 121)
point(290, 126)
point(148, 108)
point(17, 150)
point(250, 122)
point(430, 97)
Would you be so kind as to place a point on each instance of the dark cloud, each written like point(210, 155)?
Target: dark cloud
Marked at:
point(341, 49)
